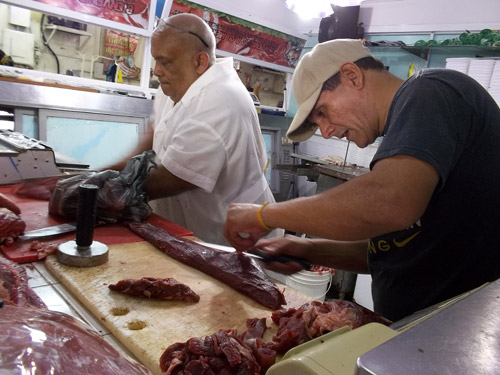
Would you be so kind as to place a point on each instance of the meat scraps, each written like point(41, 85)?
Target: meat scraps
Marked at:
point(40, 341)
point(313, 319)
point(240, 272)
point(224, 352)
point(14, 289)
point(158, 288)
point(11, 225)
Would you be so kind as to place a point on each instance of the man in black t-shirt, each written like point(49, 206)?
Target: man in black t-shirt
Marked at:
point(424, 221)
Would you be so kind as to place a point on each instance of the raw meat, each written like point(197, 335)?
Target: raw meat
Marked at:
point(11, 225)
point(14, 289)
point(39, 189)
point(240, 272)
point(9, 204)
point(224, 352)
point(152, 287)
point(36, 341)
point(313, 319)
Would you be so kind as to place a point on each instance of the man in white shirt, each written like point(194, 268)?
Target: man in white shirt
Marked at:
point(206, 133)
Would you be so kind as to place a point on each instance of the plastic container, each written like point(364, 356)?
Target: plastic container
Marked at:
point(311, 283)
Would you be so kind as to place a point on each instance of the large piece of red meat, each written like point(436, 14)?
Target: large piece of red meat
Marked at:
point(37, 341)
point(14, 289)
point(157, 288)
point(11, 225)
point(240, 272)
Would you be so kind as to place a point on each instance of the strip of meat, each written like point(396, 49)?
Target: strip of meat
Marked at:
point(313, 319)
point(9, 204)
point(240, 272)
point(14, 289)
point(11, 225)
point(44, 342)
point(152, 287)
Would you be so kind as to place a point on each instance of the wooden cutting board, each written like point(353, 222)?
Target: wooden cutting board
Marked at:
point(147, 327)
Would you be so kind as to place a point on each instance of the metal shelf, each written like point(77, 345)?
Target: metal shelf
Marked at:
point(69, 30)
point(424, 51)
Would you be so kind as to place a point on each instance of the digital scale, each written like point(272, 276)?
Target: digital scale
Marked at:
point(24, 158)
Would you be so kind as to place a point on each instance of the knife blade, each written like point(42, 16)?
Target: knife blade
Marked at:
point(266, 257)
point(47, 232)
point(51, 231)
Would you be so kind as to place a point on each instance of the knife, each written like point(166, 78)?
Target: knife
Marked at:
point(50, 231)
point(266, 257)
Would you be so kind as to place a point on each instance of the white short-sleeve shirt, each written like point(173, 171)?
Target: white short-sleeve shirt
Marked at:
point(212, 139)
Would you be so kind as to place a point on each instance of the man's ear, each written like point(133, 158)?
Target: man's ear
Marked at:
point(352, 73)
point(201, 62)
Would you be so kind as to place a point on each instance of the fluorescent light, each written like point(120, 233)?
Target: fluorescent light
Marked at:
point(317, 8)
point(310, 8)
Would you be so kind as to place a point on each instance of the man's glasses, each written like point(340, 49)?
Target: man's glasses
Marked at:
point(158, 20)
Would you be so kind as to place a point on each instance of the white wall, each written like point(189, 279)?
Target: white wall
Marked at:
point(429, 15)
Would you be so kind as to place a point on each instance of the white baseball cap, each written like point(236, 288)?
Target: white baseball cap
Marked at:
point(313, 69)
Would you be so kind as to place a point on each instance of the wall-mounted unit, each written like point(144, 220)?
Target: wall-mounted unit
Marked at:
point(20, 46)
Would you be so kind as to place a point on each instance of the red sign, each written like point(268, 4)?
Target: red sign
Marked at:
point(130, 12)
point(245, 38)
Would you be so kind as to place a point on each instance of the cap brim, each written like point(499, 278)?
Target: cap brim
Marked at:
point(300, 129)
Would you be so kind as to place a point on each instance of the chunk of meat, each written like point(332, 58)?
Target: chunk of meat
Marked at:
point(158, 288)
point(40, 189)
point(11, 225)
point(40, 341)
point(240, 272)
point(9, 204)
point(224, 352)
point(313, 319)
point(14, 289)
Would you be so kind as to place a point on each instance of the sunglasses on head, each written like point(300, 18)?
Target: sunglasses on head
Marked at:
point(160, 20)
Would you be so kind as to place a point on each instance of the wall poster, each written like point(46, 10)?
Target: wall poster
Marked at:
point(130, 12)
point(241, 37)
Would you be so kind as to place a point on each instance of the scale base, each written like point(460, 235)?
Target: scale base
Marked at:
point(70, 254)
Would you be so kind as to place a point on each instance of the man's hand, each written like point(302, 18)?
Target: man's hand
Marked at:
point(242, 228)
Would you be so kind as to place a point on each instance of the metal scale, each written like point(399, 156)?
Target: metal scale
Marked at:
point(24, 158)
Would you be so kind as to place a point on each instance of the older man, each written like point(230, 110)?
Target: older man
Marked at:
point(424, 221)
point(206, 132)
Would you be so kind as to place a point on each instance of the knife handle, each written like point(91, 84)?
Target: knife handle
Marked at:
point(86, 215)
point(266, 257)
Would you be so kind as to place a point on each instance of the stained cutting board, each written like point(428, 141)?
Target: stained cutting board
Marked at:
point(35, 214)
point(148, 327)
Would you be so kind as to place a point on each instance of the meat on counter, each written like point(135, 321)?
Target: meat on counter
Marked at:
point(157, 288)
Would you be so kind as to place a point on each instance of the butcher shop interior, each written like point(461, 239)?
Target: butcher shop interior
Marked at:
point(130, 248)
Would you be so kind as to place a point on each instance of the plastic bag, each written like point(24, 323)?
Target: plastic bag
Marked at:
point(120, 197)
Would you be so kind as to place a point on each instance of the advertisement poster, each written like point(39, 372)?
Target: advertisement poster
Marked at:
point(241, 37)
point(120, 46)
point(130, 12)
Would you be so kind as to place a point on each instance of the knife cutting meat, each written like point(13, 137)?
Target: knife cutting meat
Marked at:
point(266, 257)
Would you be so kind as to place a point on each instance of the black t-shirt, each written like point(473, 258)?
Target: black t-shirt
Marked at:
point(448, 120)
